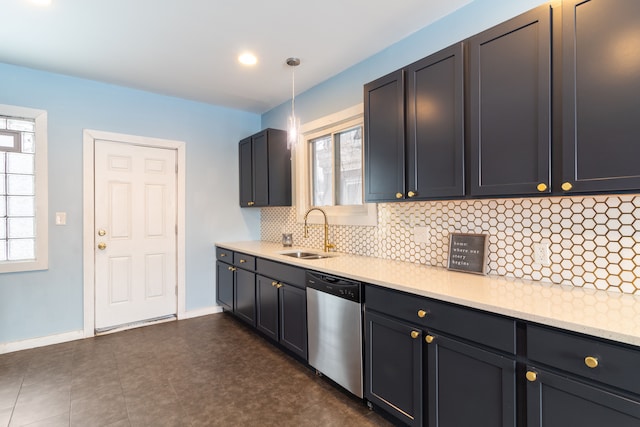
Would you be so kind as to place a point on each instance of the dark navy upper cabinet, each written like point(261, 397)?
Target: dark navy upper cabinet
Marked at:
point(435, 125)
point(384, 138)
point(601, 83)
point(510, 106)
point(265, 169)
point(414, 130)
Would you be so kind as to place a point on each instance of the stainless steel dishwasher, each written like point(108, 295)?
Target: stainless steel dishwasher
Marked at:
point(334, 321)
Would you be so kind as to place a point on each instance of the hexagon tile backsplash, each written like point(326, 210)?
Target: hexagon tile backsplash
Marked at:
point(594, 241)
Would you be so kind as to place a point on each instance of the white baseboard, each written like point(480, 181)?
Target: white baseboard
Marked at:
point(10, 347)
point(200, 312)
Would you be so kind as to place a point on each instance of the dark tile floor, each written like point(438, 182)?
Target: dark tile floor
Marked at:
point(208, 371)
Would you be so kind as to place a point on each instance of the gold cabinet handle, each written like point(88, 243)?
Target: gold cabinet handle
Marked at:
point(415, 334)
point(102, 246)
point(250, 204)
point(542, 187)
point(566, 186)
point(222, 255)
point(398, 195)
point(531, 376)
point(274, 283)
point(411, 194)
point(232, 268)
point(429, 339)
point(591, 362)
point(242, 261)
point(421, 313)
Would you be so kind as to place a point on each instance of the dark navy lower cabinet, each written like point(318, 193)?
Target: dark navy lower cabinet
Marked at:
point(560, 401)
point(393, 367)
point(467, 385)
point(224, 287)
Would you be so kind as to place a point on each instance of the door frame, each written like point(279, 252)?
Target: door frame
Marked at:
point(89, 137)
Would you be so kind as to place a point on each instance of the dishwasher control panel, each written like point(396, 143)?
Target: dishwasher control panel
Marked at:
point(340, 287)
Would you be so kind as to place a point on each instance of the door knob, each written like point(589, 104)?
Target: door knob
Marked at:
point(102, 246)
point(101, 232)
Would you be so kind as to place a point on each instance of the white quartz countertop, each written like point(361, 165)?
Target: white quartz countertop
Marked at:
point(599, 313)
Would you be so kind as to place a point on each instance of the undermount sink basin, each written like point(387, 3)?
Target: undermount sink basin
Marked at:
point(305, 255)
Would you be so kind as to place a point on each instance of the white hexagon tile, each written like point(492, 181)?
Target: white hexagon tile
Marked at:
point(594, 242)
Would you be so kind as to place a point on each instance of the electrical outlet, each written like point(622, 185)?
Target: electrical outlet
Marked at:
point(421, 234)
point(542, 254)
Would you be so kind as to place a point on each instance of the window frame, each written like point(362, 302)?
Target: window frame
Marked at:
point(41, 261)
point(361, 215)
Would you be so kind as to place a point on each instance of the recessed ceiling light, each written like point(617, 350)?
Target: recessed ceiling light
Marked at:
point(248, 59)
point(41, 2)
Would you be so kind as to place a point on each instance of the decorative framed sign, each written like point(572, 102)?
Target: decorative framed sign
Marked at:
point(468, 252)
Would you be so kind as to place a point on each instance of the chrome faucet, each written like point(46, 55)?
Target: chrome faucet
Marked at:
point(327, 245)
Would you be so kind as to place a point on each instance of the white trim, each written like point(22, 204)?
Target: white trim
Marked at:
point(201, 312)
point(41, 189)
point(88, 140)
point(363, 215)
point(40, 342)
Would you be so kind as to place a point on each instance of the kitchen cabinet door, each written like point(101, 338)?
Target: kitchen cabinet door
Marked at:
point(393, 367)
point(435, 125)
point(245, 296)
point(510, 107)
point(245, 152)
point(601, 82)
point(468, 386)
point(260, 160)
point(293, 319)
point(559, 401)
point(224, 285)
point(384, 138)
point(267, 317)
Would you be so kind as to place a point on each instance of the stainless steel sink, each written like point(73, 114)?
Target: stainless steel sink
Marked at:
point(305, 255)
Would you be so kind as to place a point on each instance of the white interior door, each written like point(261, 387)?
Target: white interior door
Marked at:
point(135, 235)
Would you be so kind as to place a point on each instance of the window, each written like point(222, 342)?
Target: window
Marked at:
point(23, 193)
point(336, 168)
point(328, 169)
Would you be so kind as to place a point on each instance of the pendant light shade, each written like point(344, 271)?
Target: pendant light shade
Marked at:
point(293, 126)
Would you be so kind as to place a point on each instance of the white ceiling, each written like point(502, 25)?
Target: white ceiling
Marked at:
point(189, 48)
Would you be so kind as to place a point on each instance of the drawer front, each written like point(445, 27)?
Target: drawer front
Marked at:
point(245, 261)
point(224, 255)
point(282, 272)
point(484, 328)
point(616, 365)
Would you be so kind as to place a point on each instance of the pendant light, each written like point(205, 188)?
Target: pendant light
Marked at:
point(294, 122)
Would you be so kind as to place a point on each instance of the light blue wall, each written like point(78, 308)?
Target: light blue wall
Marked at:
point(35, 304)
point(346, 89)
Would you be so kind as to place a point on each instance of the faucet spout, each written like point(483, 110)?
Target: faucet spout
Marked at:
point(327, 245)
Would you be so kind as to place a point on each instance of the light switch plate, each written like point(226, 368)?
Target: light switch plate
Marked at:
point(421, 234)
point(61, 218)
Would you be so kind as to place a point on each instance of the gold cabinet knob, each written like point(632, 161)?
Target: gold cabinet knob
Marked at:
point(429, 339)
point(591, 362)
point(102, 246)
point(231, 268)
point(279, 285)
point(531, 376)
point(411, 194)
point(274, 283)
point(542, 187)
point(242, 261)
point(398, 195)
point(566, 186)
point(222, 255)
point(250, 204)
point(421, 313)
point(415, 334)
point(102, 232)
